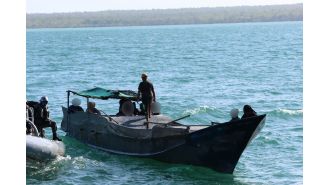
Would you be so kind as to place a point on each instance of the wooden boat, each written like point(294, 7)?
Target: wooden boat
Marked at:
point(217, 146)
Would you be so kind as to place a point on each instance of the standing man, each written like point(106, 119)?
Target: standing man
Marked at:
point(42, 118)
point(147, 94)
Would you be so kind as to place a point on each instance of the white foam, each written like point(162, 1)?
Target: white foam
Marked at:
point(290, 112)
point(199, 109)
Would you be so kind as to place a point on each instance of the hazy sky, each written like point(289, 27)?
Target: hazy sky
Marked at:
point(50, 6)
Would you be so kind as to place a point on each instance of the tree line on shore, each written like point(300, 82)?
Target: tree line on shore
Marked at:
point(110, 18)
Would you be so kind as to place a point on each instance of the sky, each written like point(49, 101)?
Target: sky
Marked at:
point(52, 6)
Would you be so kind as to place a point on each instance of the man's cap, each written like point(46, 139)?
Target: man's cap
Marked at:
point(76, 102)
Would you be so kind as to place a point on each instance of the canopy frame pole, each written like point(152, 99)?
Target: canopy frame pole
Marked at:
point(67, 112)
point(87, 98)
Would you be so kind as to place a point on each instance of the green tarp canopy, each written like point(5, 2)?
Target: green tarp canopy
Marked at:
point(104, 94)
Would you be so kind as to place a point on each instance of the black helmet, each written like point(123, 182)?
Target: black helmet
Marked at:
point(44, 99)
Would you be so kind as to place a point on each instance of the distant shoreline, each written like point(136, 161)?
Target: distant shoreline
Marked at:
point(163, 25)
point(158, 17)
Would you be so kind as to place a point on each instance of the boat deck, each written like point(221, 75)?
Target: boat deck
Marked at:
point(139, 122)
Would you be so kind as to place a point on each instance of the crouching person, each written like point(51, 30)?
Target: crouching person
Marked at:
point(42, 120)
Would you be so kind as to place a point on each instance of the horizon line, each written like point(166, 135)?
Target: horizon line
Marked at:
point(151, 9)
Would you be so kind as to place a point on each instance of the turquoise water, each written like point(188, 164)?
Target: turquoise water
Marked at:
point(202, 70)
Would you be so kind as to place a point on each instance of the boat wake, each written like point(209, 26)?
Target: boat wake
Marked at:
point(45, 170)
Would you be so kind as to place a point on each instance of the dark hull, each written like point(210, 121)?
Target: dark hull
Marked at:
point(218, 147)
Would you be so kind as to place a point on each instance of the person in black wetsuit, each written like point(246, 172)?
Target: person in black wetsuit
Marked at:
point(248, 112)
point(41, 118)
point(75, 107)
point(147, 94)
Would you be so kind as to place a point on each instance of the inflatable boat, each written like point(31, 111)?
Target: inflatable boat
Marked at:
point(38, 148)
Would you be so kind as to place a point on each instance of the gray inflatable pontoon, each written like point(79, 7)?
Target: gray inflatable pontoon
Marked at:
point(43, 149)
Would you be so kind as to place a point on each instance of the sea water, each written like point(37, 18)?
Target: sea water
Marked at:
point(201, 70)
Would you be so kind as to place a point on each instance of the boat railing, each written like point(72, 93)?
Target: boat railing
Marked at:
point(30, 121)
point(111, 119)
point(173, 121)
point(29, 114)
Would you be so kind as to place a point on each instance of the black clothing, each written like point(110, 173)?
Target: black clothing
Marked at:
point(41, 119)
point(32, 104)
point(146, 101)
point(28, 128)
point(46, 123)
point(146, 88)
point(73, 109)
point(234, 119)
point(95, 111)
point(248, 115)
point(41, 113)
point(248, 112)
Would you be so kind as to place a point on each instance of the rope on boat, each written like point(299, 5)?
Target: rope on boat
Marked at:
point(113, 128)
point(111, 119)
point(170, 121)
